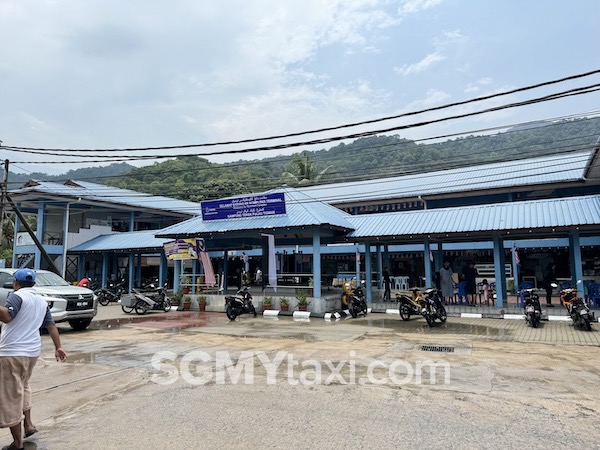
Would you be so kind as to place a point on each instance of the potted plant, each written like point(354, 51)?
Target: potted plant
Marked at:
point(187, 302)
point(202, 302)
point(284, 304)
point(302, 299)
point(186, 281)
point(176, 298)
point(267, 302)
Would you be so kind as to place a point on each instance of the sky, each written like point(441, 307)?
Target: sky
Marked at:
point(143, 73)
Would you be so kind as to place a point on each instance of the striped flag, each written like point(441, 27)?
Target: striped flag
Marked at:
point(516, 255)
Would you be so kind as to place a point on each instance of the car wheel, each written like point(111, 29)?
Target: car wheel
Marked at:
point(80, 324)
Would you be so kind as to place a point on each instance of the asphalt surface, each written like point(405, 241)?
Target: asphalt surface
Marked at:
point(280, 383)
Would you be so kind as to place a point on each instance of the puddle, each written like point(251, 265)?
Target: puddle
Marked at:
point(419, 326)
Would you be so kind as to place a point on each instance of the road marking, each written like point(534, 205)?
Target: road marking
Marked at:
point(559, 318)
point(471, 315)
point(513, 316)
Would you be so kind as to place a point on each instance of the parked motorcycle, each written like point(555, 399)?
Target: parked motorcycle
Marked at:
point(532, 307)
point(357, 302)
point(427, 304)
point(112, 293)
point(577, 309)
point(239, 304)
point(434, 307)
point(142, 302)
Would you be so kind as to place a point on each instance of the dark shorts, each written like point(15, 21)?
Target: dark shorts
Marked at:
point(471, 289)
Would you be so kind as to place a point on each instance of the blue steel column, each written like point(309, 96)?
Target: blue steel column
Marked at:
point(357, 257)
point(317, 265)
point(226, 267)
point(379, 268)
point(386, 258)
point(499, 271)
point(104, 269)
point(132, 221)
point(162, 269)
point(515, 266)
point(576, 263)
point(426, 253)
point(39, 233)
point(138, 269)
point(176, 275)
point(368, 272)
point(130, 269)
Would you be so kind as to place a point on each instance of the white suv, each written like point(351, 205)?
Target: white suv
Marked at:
point(73, 304)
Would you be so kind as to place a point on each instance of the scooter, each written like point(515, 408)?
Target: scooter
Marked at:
point(143, 303)
point(532, 307)
point(239, 304)
point(577, 309)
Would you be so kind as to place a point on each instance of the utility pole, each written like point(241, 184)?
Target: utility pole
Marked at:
point(4, 189)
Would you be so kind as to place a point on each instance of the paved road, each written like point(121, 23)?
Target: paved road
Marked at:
point(364, 383)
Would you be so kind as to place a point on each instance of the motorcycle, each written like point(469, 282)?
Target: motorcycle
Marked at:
point(357, 302)
point(110, 294)
point(532, 307)
point(239, 304)
point(577, 309)
point(434, 307)
point(427, 304)
point(142, 303)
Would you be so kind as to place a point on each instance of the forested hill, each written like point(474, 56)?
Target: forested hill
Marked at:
point(193, 178)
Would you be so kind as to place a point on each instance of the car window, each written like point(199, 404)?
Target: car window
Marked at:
point(4, 278)
point(49, 279)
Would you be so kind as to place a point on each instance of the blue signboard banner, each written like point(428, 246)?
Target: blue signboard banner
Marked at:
point(235, 208)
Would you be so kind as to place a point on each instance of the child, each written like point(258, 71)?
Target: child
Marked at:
point(486, 290)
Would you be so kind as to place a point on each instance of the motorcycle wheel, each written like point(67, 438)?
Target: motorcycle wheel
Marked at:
point(230, 313)
point(429, 317)
point(103, 300)
point(587, 324)
point(254, 311)
point(353, 311)
point(442, 314)
point(404, 312)
point(534, 322)
point(127, 309)
point(166, 305)
point(364, 308)
point(141, 308)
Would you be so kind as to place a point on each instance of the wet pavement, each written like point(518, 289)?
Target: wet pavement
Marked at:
point(508, 386)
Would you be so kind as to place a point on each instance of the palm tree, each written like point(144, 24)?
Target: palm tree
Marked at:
point(302, 171)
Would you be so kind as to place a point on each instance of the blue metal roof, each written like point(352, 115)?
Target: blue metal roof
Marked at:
point(99, 193)
point(482, 219)
point(549, 169)
point(301, 211)
point(133, 240)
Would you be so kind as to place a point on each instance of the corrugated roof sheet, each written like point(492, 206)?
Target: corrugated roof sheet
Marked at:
point(301, 211)
point(122, 241)
point(549, 169)
point(108, 194)
point(534, 214)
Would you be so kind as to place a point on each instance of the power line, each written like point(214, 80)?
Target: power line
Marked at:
point(350, 125)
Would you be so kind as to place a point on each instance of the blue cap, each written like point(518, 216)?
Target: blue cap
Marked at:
point(26, 275)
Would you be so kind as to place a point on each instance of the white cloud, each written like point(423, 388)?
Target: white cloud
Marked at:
point(420, 66)
point(414, 6)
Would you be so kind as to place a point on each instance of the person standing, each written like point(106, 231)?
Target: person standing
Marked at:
point(20, 346)
point(387, 294)
point(446, 283)
point(470, 276)
point(549, 278)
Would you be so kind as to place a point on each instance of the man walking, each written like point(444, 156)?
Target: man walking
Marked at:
point(20, 346)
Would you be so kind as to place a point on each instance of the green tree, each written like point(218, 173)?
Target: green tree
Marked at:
point(303, 171)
